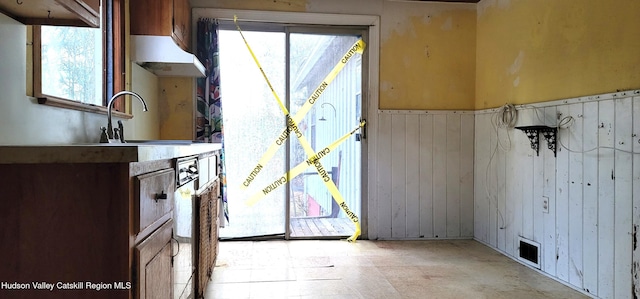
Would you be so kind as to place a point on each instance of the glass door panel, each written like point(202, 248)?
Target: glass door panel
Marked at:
point(252, 121)
point(313, 212)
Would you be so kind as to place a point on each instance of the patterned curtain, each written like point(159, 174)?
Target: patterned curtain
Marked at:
point(209, 106)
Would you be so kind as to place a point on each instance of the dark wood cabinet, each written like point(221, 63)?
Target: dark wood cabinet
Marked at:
point(153, 265)
point(154, 199)
point(80, 222)
point(182, 23)
point(92, 230)
point(67, 223)
point(162, 18)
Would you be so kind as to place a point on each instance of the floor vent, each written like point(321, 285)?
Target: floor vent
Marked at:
point(529, 252)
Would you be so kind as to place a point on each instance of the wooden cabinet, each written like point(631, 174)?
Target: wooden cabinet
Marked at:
point(153, 265)
point(207, 199)
point(162, 18)
point(78, 222)
point(154, 199)
point(66, 222)
point(92, 229)
point(54, 12)
point(182, 23)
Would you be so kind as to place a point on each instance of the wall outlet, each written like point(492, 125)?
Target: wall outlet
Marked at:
point(545, 204)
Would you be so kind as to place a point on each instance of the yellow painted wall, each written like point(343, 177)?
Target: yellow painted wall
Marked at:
point(176, 108)
point(427, 56)
point(144, 125)
point(535, 51)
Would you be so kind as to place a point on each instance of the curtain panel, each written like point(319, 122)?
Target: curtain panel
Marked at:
point(209, 126)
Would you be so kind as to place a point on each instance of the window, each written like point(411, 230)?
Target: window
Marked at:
point(80, 67)
point(71, 60)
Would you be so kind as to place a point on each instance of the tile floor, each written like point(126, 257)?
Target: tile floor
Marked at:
point(374, 269)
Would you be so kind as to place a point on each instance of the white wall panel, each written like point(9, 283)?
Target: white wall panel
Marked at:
point(549, 252)
point(453, 175)
point(498, 213)
point(636, 196)
point(425, 175)
point(590, 197)
point(513, 190)
point(562, 203)
point(412, 170)
point(623, 201)
point(383, 182)
point(588, 235)
point(606, 197)
point(466, 175)
point(482, 203)
point(398, 177)
point(575, 149)
point(538, 191)
point(440, 176)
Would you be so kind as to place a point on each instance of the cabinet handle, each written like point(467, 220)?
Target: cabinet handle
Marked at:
point(160, 196)
point(177, 251)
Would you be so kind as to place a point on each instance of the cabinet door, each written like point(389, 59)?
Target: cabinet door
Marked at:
point(153, 265)
point(151, 17)
point(207, 203)
point(181, 23)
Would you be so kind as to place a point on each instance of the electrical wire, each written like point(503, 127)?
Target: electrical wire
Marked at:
point(504, 118)
point(566, 122)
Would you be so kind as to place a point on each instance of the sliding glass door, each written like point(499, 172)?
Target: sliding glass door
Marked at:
point(264, 198)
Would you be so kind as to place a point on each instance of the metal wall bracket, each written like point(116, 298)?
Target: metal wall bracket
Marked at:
point(549, 134)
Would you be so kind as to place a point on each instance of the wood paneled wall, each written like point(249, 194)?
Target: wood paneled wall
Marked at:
point(588, 234)
point(424, 175)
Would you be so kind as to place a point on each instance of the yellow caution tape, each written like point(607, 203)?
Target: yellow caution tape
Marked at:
point(293, 126)
point(357, 47)
point(235, 20)
point(298, 169)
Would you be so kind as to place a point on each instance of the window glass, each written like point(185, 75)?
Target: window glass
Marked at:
point(72, 63)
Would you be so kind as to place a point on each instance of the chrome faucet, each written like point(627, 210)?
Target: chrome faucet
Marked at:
point(108, 136)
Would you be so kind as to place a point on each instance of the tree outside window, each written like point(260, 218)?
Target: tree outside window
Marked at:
point(72, 63)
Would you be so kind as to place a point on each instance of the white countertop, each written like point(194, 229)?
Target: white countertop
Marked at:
point(101, 152)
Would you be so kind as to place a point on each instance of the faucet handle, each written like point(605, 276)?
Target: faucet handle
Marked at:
point(116, 134)
point(104, 138)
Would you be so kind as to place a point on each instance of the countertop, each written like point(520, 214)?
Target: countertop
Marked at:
point(101, 153)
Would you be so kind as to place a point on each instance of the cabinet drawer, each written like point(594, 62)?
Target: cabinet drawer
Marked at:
point(154, 198)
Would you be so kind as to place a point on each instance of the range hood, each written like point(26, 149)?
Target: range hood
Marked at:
point(162, 56)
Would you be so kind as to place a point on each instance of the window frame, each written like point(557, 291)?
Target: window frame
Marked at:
point(113, 66)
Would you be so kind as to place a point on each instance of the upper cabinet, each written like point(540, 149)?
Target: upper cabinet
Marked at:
point(163, 18)
point(53, 12)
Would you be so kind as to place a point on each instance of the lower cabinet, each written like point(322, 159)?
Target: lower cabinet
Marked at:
point(153, 262)
point(207, 250)
point(100, 230)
